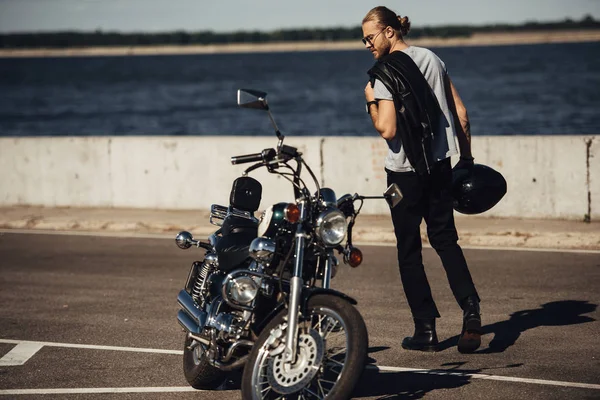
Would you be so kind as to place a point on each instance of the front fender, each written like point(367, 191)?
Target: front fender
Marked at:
point(307, 293)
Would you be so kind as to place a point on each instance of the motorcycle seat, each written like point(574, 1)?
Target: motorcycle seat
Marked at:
point(232, 248)
point(233, 224)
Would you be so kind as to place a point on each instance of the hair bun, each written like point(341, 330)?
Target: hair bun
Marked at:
point(404, 25)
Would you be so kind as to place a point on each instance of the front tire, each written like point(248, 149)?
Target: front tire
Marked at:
point(199, 373)
point(331, 354)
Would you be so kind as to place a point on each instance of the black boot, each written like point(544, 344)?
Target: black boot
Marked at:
point(470, 336)
point(424, 338)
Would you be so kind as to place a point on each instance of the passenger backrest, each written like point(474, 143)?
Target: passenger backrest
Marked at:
point(246, 194)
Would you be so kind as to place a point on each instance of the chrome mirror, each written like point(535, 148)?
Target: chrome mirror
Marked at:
point(250, 98)
point(184, 240)
point(257, 99)
point(393, 195)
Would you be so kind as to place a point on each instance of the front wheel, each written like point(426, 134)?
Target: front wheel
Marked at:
point(330, 357)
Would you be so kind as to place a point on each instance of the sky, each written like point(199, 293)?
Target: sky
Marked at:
point(270, 15)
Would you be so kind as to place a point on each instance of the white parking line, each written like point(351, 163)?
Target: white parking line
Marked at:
point(30, 392)
point(20, 354)
point(28, 347)
point(485, 376)
point(93, 347)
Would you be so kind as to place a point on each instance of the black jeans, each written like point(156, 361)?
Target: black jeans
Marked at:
point(428, 198)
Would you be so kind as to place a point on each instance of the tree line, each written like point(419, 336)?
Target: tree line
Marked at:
point(181, 38)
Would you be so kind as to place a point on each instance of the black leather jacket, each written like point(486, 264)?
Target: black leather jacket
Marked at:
point(417, 108)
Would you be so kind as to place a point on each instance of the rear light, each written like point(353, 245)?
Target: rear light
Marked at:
point(354, 257)
point(291, 213)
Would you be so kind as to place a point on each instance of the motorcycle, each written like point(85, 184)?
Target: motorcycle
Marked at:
point(261, 299)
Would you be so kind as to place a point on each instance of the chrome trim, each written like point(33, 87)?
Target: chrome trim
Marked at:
point(213, 311)
point(217, 214)
point(187, 323)
point(296, 287)
point(223, 322)
point(212, 259)
point(293, 311)
point(233, 366)
point(235, 345)
point(233, 275)
point(188, 305)
point(327, 272)
point(184, 240)
point(262, 249)
point(199, 339)
point(242, 214)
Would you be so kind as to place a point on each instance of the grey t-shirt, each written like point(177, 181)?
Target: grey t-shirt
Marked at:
point(444, 141)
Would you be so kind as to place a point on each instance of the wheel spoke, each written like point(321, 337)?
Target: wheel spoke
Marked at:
point(335, 364)
point(326, 381)
point(265, 392)
point(311, 392)
point(320, 323)
point(321, 388)
point(333, 335)
point(331, 325)
point(336, 351)
point(334, 367)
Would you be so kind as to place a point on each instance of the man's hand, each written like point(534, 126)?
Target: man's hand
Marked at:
point(369, 92)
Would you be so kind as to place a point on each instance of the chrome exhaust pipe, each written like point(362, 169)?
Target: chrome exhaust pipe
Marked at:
point(188, 305)
point(234, 346)
point(187, 322)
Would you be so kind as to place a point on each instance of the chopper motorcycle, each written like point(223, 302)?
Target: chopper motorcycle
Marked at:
point(261, 298)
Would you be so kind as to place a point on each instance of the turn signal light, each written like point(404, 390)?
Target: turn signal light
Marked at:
point(355, 257)
point(292, 213)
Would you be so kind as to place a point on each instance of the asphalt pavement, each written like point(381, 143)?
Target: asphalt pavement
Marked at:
point(88, 316)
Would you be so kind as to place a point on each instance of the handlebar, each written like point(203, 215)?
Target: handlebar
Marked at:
point(246, 158)
point(265, 155)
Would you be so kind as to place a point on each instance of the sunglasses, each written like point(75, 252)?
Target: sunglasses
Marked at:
point(370, 38)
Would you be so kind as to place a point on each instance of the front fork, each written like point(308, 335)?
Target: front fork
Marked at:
point(289, 354)
point(296, 284)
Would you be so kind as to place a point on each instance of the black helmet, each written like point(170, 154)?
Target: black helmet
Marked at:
point(476, 189)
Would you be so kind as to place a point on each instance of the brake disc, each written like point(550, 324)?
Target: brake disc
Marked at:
point(287, 378)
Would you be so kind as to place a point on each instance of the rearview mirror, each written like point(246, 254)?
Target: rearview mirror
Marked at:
point(393, 195)
point(249, 98)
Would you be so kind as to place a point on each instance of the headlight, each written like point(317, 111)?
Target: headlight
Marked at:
point(242, 289)
point(331, 227)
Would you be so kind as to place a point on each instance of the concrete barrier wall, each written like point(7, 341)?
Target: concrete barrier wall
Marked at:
point(548, 176)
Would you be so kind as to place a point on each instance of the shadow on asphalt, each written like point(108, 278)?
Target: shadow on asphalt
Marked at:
point(415, 385)
point(374, 349)
point(506, 333)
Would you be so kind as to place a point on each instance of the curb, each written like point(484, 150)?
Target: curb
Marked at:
point(371, 235)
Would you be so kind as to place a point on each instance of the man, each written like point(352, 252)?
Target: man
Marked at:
point(427, 192)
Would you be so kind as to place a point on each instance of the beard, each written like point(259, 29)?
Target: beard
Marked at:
point(384, 49)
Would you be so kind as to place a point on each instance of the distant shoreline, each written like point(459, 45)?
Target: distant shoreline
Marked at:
point(478, 39)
